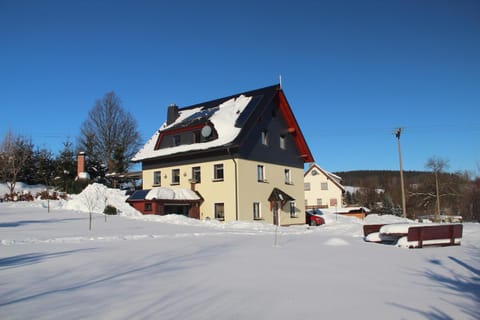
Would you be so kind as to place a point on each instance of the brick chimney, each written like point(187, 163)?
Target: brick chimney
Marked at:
point(81, 174)
point(172, 113)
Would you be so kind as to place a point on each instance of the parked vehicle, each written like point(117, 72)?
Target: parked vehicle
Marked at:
point(314, 217)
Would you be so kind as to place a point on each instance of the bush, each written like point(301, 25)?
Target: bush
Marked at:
point(111, 210)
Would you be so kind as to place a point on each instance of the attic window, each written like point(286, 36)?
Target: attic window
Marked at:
point(265, 137)
point(176, 140)
point(282, 142)
point(196, 136)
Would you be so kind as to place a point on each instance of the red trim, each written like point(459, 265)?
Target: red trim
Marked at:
point(174, 131)
point(293, 127)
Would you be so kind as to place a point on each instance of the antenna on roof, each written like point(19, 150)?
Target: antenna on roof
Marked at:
point(280, 80)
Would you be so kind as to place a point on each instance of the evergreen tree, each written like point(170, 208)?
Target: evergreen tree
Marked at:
point(44, 164)
point(66, 169)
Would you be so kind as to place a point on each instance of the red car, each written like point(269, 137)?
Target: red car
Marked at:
point(314, 218)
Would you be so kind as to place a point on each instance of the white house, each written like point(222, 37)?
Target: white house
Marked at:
point(322, 188)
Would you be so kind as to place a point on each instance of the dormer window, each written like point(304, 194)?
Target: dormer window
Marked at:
point(176, 140)
point(196, 136)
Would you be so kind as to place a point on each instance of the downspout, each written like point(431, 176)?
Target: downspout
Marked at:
point(236, 183)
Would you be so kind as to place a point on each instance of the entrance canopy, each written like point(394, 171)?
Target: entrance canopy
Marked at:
point(279, 195)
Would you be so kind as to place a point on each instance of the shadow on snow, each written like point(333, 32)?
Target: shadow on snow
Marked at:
point(170, 264)
point(25, 222)
point(31, 258)
point(465, 284)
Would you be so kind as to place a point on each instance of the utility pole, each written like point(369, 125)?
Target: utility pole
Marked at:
point(437, 217)
point(398, 132)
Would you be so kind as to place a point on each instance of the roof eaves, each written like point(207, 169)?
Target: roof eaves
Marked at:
point(294, 128)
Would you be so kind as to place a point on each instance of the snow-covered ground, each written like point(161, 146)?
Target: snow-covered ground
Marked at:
point(148, 267)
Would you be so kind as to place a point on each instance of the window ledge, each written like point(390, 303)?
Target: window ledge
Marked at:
point(263, 181)
point(174, 183)
point(217, 180)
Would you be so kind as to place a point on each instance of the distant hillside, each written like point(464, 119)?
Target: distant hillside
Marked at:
point(460, 195)
point(380, 178)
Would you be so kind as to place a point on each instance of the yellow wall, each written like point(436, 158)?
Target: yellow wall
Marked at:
point(249, 189)
point(254, 191)
point(212, 191)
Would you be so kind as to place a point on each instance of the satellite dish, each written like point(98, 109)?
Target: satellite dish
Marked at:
point(206, 131)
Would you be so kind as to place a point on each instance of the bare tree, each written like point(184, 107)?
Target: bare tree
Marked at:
point(14, 152)
point(91, 200)
point(110, 134)
point(437, 165)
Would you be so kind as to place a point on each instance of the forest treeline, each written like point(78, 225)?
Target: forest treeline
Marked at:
point(380, 190)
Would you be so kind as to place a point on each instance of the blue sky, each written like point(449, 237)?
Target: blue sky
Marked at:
point(351, 70)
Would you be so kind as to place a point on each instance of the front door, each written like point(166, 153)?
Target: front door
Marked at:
point(275, 213)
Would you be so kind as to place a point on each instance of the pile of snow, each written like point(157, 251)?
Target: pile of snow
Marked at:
point(95, 197)
point(384, 219)
point(171, 194)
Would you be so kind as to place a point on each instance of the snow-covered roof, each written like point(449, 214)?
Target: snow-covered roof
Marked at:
point(223, 120)
point(162, 193)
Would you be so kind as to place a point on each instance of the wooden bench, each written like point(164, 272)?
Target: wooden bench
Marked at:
point(415, 235)
point(440, 235)
point(371, 228)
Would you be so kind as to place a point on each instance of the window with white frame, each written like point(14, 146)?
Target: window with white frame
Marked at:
point(157, 178)
point(256, 211)
point(218, 172)
point(288, 176)
point(175, 176)
point(293, 210)
point(306, 186)
point(261, 173)
point(324, 186)
point(219, 211)
point(196, 176)
point(319, 202)
point(265, 137)
point(283, 144)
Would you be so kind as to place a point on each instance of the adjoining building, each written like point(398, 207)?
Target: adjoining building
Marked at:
point(323, 189)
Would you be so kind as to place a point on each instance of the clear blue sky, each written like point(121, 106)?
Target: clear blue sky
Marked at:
point(352, 70)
